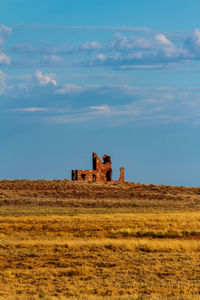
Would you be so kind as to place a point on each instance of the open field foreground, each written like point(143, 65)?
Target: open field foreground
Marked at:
point(61, 239)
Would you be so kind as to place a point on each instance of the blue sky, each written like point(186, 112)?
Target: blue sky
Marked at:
point(114, 77)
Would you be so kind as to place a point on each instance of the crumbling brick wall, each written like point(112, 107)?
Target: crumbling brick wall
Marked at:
point(102, 171)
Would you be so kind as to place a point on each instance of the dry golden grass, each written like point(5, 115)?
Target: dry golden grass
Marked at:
point(99, 267)
point(101, 226)
point(98, 246)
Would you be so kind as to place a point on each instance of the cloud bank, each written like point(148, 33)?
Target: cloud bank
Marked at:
point(122, 52)
point(59, 100)
point(4, 32)
point(108, 105)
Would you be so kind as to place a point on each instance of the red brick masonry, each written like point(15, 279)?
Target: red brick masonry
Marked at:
point(102, 171)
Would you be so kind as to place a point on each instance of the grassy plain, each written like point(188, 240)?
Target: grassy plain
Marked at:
point(61, 239)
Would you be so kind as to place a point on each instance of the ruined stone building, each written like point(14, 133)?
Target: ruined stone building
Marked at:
point(102, 171)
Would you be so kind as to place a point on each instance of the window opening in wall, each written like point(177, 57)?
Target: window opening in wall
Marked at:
point(108, 177)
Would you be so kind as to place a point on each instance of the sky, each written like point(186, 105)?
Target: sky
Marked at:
point(115, 77)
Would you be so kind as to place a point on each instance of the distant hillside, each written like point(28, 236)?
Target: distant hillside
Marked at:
point(69, 194)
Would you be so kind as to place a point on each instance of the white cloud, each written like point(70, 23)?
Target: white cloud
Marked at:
point(110, 104)
point(196, 36)
point(162, 38)
point(152, 106)
point(51, 59)
point(4, 59)
point(2, 82)
point(124, 52)
point(32, 109)
point(168, 48)
point(95, 28)
point(45, 79)
point(4, 30)
point(91, 46)
point(101, 57)
point(133, 112)
point(1, 41)
point(141, 67)
point(192, 44)
point(123, 43)
point(74, 117)
point(70, 88)
point(75, 89)
point(103, 108)
point(135, 52)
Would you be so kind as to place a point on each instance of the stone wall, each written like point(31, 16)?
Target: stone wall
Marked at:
point(102, 171)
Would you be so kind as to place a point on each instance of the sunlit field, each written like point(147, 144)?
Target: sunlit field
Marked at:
point(60, 239)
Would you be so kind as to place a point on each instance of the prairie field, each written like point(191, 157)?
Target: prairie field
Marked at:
point(61, 239)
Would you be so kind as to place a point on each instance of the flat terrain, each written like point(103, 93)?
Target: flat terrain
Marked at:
point(63, 239)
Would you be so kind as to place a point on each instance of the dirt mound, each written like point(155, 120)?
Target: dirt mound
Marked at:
point(67, 193)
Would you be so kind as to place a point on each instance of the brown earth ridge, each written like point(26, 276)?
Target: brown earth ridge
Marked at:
point(65, 193)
